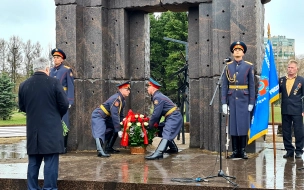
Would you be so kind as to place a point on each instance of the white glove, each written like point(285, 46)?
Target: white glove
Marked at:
point(69, 106)
point(120, 134)
point(250, 107)
point(225, 109)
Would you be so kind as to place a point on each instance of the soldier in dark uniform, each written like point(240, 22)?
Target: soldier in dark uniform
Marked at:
point(106, 120)
point(170, 128)
point(238, 96)
point(292, 110)
point(65, 75)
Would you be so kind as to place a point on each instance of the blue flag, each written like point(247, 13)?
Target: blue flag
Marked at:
point(268, 93)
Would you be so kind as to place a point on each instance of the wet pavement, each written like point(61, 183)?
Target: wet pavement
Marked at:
point(261, 171)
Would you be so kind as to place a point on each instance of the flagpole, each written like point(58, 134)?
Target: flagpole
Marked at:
point(272, 112)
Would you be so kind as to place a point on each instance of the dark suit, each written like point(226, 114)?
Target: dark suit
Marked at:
point(291, 110)
point(43, 100)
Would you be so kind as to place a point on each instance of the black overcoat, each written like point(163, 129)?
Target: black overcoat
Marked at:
point(44, 101)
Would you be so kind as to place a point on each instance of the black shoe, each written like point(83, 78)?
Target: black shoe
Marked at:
point(112, 150)
point(290, 155)
point(298, 155)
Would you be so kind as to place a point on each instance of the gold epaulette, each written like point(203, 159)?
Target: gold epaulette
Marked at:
point(229, 62)
point(67, 67)
point(249, 63)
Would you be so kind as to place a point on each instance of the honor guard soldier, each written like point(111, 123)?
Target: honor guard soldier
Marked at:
point(238, 96)
point(65, 75)
point(106, 120)
point(172, 125)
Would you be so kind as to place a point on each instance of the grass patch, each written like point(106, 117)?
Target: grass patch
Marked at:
point(277, 114)
point(18, 119)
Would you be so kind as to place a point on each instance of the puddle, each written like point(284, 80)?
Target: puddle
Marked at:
point(13, 151)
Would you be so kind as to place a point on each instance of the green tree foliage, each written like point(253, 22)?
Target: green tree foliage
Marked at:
point(7, 97)
point(167, 56)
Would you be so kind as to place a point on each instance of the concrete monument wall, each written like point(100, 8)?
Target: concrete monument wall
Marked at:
point(107, 42)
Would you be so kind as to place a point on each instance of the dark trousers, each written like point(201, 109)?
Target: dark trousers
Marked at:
point(51, 163)
point(297, 122)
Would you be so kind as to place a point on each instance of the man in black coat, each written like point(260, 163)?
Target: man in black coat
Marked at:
point(292, 110)
point(44, 101)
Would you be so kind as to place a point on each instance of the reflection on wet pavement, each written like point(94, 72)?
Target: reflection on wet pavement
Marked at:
point(262, 171)
point(17, 150)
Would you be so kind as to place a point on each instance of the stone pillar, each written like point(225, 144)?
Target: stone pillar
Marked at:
point(212, 28)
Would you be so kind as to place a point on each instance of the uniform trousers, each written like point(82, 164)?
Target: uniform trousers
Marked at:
point(297, 122)
point(51, 164)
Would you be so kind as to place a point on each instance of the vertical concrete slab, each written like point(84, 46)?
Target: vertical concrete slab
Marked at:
point(94, 20)
point(193, 43)
point(220, 34)
point(247, 21)
point(91, 96)
point(139, 45)
point(117, 46)
point(205, 39)
point(194, 109)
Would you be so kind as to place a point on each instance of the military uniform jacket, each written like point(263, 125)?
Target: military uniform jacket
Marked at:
point(173, 122)
point(238, 73)
point(115, 106)
point(65, 75)
point(43, 100)
point(292, 104)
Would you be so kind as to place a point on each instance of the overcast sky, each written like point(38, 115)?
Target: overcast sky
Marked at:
point(35, 20)
point(29, 19)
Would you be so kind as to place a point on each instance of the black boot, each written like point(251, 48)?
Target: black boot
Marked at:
point(172, 147)
point(243, 143)
point(100, 151)
point(109, 147)
point(235, 152)
point(159, 151)
point(65, 140)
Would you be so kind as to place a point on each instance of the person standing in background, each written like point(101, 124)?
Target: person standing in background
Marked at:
point(292, 110)
point(65, 75)
point(44, 101)
point(238, 96)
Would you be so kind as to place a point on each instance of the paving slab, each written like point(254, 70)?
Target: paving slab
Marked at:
point(187, 169)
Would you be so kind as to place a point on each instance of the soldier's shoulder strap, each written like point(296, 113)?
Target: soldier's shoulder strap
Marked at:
point(249, 62)
point(67, 67)
point(229, 62)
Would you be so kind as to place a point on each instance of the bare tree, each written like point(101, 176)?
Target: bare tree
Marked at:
point(48, 53)
point(38, 50)
point(28, 49)
point(3, 47)
point(14, 56)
